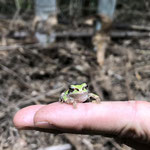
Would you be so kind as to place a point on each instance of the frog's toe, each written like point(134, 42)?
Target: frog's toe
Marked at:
point(60, 100)
point(74, 105)
point(94, 101)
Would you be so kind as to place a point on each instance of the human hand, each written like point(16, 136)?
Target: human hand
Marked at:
point(128, 122)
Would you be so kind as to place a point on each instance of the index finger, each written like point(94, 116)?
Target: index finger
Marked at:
point(106, 117)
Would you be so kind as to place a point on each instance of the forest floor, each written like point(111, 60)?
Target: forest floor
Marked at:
point(34, 74)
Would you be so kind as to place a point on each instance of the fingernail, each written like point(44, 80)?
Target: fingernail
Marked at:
point(43, 124)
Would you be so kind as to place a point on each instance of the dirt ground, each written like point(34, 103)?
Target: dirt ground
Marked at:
point(34, 74)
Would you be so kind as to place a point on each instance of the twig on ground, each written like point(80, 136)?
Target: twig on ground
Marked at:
point(21, 81)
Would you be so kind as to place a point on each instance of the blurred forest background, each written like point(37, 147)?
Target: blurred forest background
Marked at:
point(35, 73)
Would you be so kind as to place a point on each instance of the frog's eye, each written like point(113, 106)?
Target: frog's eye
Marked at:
point(85, 87)
point(70, 90)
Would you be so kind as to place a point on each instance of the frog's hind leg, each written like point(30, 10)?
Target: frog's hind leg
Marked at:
point(96, 97)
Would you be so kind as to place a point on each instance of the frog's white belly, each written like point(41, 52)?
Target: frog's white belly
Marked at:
point(80, 97)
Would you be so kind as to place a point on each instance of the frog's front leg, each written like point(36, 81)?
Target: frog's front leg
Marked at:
point(61, 98)
point(96, 97)
point(67, 99)
point(72, 101)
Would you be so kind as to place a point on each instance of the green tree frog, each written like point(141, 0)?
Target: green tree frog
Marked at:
point(78, 94)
